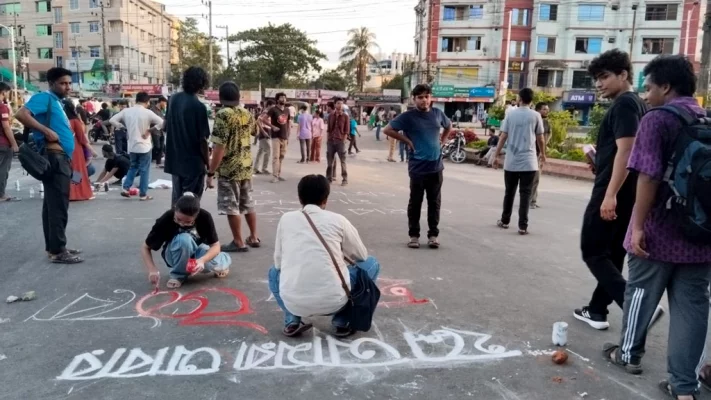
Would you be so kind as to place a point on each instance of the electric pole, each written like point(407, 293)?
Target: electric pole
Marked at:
point(22, 48)
point(77, 52)
point(702, 87)
point(209, 39)
point(103, 38)
point(227, 39)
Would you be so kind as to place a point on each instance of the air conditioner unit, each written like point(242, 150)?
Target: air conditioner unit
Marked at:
point(585, 63)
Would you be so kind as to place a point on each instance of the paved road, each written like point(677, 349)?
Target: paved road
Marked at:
point(470, 320)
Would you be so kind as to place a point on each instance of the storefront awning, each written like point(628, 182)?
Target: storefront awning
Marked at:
point(6, 76)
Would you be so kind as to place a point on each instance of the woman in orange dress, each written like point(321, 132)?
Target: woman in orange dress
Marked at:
point(80, 188)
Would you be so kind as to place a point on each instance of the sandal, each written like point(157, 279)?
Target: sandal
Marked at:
point(222, 274)
point(126, 194)
point(146, 198)
point(433, 242)
point(232, 247)
point(173, 283)
point(523, 231)
point(414, 243)
point(253, 242)
point(296, 329)
point(502, 225)
point(665, 387)
point(607, 353)
point(65, 258)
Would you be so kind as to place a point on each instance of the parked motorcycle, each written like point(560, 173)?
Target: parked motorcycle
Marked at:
point(97, 132)
point(454, 148)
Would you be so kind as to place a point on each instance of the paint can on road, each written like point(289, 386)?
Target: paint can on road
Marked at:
point(560, 333)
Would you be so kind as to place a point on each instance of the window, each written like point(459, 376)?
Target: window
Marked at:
point(143, 34)
point(545, 45)
point(43, 6)
point(4, 54)
point(44, 30)
point(548, 12)
point(10, 8)
point(476, 11)
point(4, 32)
point(115, 26)
point(417, 47)
point(94, 52)
point(58, 40)
point(44, 53)
point(520, 17)
point(42, 75)
point(75, 52)
point(60, 61)
point(150, 60)
point(517, 80)
point(657, 46)
point(73, 4)
point(661, 12)
point(143, 57)
point(459, 44)
point(518, 49)
point(116, 51)
point(588, 45)
point(549, 78)
point(93, 3)
point(582, 80)
point(463, 13)
point(57, 15)
point(74, 27)
point(93, 26)
point(591, 12)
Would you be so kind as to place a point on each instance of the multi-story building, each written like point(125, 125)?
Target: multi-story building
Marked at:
point(101, 41)
point(385, 70)
point(464, 43)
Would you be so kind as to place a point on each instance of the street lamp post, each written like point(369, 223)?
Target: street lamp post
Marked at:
point(14, 59)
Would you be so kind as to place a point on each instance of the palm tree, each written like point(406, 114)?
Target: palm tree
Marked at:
point(357, 52)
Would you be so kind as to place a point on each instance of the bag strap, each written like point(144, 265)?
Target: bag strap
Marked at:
point(679, 112)
point(49, 111)
point(330, 253)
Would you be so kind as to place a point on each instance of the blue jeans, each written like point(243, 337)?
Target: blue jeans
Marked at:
point(182, 248)
point(377, 132)
point(370, 265)
point(90, 170)
point(140, 162)
point(403, 151)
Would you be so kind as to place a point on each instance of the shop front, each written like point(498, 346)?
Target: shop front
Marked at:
point(579, 104)
point(470, 101)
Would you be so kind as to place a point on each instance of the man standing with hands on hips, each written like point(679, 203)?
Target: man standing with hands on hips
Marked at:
point(421, 132)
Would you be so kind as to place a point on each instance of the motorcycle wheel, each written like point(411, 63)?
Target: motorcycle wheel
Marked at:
point(458, 156)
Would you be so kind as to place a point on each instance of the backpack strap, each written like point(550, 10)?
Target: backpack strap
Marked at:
point(679, 112)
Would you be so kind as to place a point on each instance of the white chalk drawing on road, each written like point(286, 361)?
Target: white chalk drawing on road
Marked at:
point(89, 308)
point(443, 346)
point(387, 211)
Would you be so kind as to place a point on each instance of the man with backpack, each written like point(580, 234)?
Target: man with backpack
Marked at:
point(669, 237)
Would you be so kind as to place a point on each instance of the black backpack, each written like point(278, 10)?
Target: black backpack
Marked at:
point(33, 162)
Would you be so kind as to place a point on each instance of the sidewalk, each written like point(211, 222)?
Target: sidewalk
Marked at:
point(562, 168)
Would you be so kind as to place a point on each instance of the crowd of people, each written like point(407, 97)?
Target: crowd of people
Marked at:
point(627, 216)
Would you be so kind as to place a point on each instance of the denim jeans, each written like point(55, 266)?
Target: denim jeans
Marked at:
point(377, 132)
point(182, 248)
point(370, 265)
point(140, 162)
point(403, 151)
point(90, 169)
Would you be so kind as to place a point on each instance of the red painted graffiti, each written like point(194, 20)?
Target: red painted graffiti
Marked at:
point(395, 294)
point(147, 306)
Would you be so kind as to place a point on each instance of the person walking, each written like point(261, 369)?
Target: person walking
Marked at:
point(80, 187)
point(305, 132)
point(186, 132)
point(542, 109)
point(379, 122)
point(157, 135)
point(264, 139)
point(318, 128)
point(613, 195)
point(420, 129)
point(8, 145)
point(232, 160)
point(137, 121)
point(44, 115)
point(338, 131)
point(353, 137)
point(522, 129)
point(279, 115)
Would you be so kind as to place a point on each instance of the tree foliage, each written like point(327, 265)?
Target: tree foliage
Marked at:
point(538, 97)
point(194, 50)
point(595, 119)
point(357, 53)
point(560, 122)
point(395, 83)
point(340, 78)
point(275, 55)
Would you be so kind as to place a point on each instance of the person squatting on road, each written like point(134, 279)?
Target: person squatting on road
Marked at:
point(116, 166)
point(613, 195)
point(522, 128)
point(663, 255)
point(186, 232)
point(232, 161)
point(302, 279)
point(44, 115)
point(186, 132)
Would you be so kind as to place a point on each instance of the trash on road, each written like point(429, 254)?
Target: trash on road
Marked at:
point(12, 299)
point(560, 333)
point(560, 357)
point(27, 296)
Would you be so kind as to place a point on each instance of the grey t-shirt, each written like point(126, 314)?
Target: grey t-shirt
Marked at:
point(522, 125)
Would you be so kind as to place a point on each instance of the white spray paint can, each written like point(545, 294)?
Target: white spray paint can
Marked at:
point(560, 333)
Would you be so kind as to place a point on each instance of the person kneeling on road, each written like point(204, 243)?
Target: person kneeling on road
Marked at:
point(186, 232)
point(302, 278)
point(116, 166)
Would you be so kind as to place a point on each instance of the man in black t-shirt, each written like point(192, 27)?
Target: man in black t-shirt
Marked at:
point(184, 233)
point(279, 116)
point(116, 165)
point(610, 209)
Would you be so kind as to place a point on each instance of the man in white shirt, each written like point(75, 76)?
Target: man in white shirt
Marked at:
point(138, 120)
point(303, 279)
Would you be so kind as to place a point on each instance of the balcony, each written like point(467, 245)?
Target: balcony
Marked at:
point(553, 91)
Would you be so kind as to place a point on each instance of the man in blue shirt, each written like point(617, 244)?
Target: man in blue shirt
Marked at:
point(419, 129)
point(44, 115)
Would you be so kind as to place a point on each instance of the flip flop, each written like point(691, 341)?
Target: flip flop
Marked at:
point(232, 247)
point(173, 283)
point(665, 387)
point(126, 194)
point(253, 243)
point(222, 274)
point(146, 198)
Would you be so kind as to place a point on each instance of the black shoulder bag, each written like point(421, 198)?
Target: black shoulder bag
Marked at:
point(33, 162)
point(363, 296)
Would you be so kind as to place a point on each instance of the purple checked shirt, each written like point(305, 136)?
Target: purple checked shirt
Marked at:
point(305, 121)
point(655, 139)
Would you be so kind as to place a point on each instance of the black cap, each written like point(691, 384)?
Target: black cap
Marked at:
point(229, 94)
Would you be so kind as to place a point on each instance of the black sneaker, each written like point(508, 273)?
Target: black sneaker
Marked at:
point(597, 321)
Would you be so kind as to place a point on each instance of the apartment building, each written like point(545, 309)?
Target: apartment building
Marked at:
point(385, 70)
point(464, 43)
point(101, 41)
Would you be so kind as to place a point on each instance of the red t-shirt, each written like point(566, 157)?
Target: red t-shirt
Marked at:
point(4, 117)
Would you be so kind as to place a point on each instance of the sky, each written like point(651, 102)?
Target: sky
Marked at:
point(326, 21)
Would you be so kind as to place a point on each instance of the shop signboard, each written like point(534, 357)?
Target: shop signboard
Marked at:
point(306, 94)
point(488, 92)
point(443, 90)
point(581, 97)
point(271, 93)
point(392, 92)
point(329, 94)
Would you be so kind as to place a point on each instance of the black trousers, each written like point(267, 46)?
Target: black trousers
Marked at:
point(333, 148)
point(601, 243)
point(524, 182)
point(353, 144)
point(430, 185)
point(55, 207)
point(158, 147)
point(121, 141)
point(194, 184)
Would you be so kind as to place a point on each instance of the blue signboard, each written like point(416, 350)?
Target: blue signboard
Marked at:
point(482, 92)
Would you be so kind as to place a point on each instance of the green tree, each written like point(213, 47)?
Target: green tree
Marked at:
point(331, 79)
point(357, 52)
point(595, 119)
point(194, 50)
point(395, 83)
point(538, 97)
point(275, 55)
point(560, 122)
